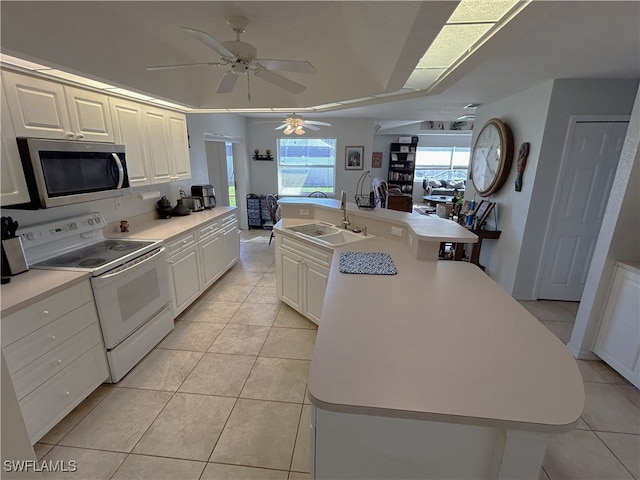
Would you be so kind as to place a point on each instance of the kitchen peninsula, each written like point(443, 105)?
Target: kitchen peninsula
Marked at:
point(435, 372)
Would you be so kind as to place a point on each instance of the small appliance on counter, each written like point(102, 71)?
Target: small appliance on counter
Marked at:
point(13, 259)
point(206, 193)
point(193, 203)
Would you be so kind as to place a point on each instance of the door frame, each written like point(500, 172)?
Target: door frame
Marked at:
point(573, 122)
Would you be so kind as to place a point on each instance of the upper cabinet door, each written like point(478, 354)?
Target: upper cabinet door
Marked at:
point(89, 114)
point(37, 107)
point(13, 184)
point(128, 125)
point(157, 142)
point(179, 146)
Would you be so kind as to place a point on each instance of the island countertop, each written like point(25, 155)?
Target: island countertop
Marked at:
point(439, 341)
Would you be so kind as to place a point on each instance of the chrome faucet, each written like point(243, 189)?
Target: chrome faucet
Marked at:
point(343, 206)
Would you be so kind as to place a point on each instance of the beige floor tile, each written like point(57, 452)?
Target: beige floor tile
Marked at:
point(571, 307)
point(302, 452)
point(242, 277)
point(288, 317)
point(210, 311)
point(259, 434)
point(264, 295)
point(89, 464)
point(582, 425)
point(631, 393)
point(119, 421)
point(277, 379)
point(141, 467)
point(65, 425)
point(219, 374)
point(263, 256)
point(608, 410)
point(548, 310)
point(267, 280)
point(229, 293)
point(581, 455)
point(262, 314)
point(299, 476)
point(607, 372)
point(162, 370)
point(41, 449)
point(307, 400)
point(218, 471)
point(289, 343)
point(240, 339)
point(272, 268)
point(543, 475)
point(192, 336)
point(626, 448)
point(254, 266)
point(562, 330)
point(589, 374)
point(187, 428)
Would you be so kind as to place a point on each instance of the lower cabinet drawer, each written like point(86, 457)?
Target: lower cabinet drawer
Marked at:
point(49, 403)
point(36, 373)
point(26, 350)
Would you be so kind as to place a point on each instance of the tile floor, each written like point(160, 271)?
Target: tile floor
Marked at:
point(223, 396)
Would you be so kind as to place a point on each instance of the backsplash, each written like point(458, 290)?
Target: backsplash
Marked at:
point(130, 205)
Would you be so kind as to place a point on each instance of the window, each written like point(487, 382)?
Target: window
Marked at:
point(306, 165)
point(450, 164)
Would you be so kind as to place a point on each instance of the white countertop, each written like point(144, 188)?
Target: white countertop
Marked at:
point(439, 341)
point(145, 227)
point(426, 228)
point(31, 286)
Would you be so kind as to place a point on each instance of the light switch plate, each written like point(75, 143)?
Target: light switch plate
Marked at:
point(396, 231)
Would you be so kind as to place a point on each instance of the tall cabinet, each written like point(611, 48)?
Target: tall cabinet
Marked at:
point(402, 165)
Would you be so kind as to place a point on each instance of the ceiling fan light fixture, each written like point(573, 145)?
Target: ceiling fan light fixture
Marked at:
point(289, 130)
point(299, 130)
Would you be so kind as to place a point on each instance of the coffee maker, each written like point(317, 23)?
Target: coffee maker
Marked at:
point(206, 193)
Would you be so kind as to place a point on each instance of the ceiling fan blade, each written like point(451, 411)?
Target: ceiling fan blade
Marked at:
point(280, 81)
point(284, 125)
point(210, 42)
point(287, 65)
point(310, 127)
point(184, 65)
point(227, 83)
point(314, 122)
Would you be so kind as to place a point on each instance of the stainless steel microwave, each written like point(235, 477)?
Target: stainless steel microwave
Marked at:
point(62, 172)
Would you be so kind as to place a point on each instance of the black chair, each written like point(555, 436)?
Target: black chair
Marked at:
point(272, 206)
point(318, 195)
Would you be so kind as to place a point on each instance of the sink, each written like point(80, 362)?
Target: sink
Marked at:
point(328, 234)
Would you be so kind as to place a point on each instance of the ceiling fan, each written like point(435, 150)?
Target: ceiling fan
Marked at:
point(296, 124)
point(242, 58)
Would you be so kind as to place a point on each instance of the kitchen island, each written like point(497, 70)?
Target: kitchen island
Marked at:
point(435, 372)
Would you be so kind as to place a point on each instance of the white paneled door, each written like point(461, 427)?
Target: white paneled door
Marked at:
point(589, 166)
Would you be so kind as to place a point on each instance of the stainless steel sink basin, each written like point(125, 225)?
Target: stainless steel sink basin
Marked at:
point(328, 234)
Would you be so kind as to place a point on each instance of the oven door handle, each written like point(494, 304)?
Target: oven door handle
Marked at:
point(135, 265)
point(116, 159)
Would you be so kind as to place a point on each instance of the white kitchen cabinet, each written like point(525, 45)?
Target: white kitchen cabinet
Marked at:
point(13, 186)
point(178, 145)
point(618, 340)
point(43, 109)
point(185, 271)
point(231, 241)
point(302, 272)
point(210, 247)
point(55, 356)
point(128, 126)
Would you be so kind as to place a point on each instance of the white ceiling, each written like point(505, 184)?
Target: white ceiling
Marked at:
point(359, 49)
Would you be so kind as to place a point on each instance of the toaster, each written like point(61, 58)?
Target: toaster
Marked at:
point(206, 193)
point(193, 203)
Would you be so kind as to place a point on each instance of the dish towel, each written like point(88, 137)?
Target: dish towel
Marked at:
point(367, 263)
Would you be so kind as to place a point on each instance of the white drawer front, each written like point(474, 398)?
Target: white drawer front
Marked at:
point(317, 254)
point(36, 373)
point(208, 230)
point(45, 339)
point(22, 323)
point(228, 220)
point(48, 404)
point(181, 244)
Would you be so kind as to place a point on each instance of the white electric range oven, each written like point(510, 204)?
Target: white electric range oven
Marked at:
point(130, 281)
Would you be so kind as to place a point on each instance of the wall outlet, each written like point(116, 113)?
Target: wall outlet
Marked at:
point(396, 231)
point(304, 212)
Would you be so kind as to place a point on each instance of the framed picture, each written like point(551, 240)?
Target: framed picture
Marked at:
point(482, 212)
point(376, 160)
point(353, 158)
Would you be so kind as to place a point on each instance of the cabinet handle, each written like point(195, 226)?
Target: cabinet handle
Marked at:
point(80, 135)
point(66, 394)
point(69, 134)
point(57, 362)
point(52, 338)
point(45, 313)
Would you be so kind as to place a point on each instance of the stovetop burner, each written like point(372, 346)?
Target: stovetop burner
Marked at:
point(95, 255)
